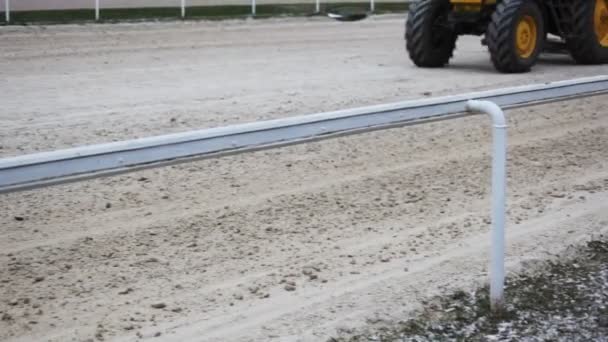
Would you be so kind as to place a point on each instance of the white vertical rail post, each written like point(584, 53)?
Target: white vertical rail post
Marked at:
point(253, 7)
point(372, 6)
point(7, 10)
point(183, 8)
point(318, 6)
point(499, 179)
point(96, 10)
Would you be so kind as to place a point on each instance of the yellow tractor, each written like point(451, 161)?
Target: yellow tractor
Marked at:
point(515, 31)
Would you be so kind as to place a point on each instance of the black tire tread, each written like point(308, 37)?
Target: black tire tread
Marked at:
point(500, 39)
point(581, 39)
point(417, 35)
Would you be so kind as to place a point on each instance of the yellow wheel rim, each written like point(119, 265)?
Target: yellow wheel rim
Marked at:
point(600, 21)
point(525, 36)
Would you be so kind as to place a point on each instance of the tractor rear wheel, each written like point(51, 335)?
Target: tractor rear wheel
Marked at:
point(430, 41)
point(588, 39)
point(515, 35)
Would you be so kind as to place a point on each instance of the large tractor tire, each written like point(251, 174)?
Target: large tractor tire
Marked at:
point(587, 40)
point(430, 41)
point(515, 35)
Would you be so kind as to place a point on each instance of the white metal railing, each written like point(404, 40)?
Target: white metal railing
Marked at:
point(184, 5)
point(7, 10)
point(499, 186)
point(48, 168)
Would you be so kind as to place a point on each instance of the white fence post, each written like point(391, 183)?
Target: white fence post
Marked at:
point(318, 6)
point(96, 10)
point(372, 5)
point(183, 6)
point(7, 10)
point(252, 7)
point(499, 180)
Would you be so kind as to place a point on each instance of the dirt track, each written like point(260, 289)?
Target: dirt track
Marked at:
point(287, 244)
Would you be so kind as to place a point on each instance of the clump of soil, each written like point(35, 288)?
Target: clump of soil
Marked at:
point(564, 301)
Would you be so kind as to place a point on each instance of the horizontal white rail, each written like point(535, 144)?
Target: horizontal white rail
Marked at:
point(48, 168)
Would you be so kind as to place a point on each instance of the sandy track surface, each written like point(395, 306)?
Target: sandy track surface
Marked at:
point(71, 85)
point(288, 244)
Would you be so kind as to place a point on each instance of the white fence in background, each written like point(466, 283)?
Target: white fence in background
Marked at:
point(98, 5)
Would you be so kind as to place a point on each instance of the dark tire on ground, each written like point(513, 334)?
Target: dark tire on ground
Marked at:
point(501, 35)
point(430, 42)
point(582, 40)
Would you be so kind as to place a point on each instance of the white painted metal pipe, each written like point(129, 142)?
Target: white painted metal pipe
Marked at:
point(183, 7)
point(7, 10)
point(253, 7)
point(372, 6)
point(76, 164)
point(96, 10)
point(318, 6)
point(499, 179)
